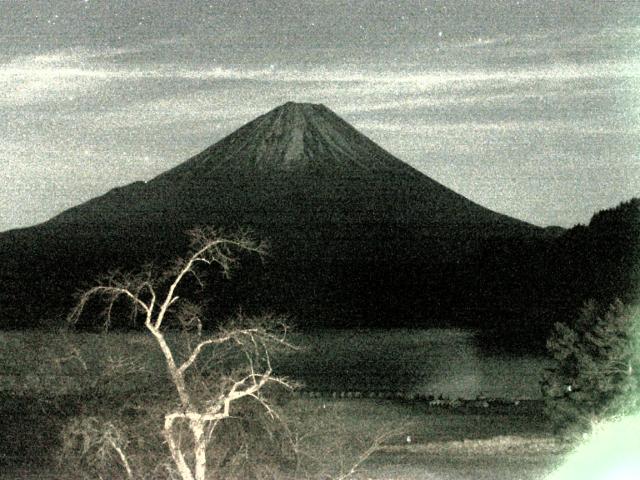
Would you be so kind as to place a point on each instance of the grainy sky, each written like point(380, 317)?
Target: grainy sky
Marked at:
point(531, 108)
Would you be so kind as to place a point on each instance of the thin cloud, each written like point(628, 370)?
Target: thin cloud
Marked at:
point(417, 79)
point(584, 127)
point(41, 78)
point(37, 78)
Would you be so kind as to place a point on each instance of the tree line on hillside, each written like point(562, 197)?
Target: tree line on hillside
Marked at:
point(512, 287)
point(599, 262)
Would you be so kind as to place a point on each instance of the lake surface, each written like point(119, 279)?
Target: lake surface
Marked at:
point(439, 361)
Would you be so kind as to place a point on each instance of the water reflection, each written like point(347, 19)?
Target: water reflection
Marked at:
point(442, 361)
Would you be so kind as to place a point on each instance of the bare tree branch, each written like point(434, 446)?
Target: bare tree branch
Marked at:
point(154, 295)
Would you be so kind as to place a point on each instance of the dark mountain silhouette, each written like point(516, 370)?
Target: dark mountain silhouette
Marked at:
point(357, 236)
point(297, 160)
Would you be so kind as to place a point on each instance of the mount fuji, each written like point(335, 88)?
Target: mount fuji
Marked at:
point(357, 236)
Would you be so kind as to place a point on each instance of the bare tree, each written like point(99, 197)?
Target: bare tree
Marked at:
point(156, 297)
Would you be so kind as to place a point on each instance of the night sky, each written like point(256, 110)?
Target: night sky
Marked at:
point(531, 108)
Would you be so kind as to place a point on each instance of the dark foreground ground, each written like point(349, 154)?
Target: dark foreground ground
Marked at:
point(439, 443)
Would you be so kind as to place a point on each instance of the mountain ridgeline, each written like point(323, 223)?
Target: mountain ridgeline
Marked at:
point(357, 237)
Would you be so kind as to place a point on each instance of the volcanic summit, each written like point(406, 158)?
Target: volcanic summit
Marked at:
point(300, 137)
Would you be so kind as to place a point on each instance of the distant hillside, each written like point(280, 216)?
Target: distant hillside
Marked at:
point(357, 236)
point(599, 261)
point(602, 259)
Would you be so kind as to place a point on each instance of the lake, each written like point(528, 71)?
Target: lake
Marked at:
point(441, 361)
point(438, 361)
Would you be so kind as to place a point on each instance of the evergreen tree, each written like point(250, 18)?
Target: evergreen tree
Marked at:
point(596, 368)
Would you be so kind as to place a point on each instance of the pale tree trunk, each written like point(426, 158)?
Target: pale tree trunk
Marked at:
point(174, 372)
point(174, 448)
point(176, 452)
point(200, 448)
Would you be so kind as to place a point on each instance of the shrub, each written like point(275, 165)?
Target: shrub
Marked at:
point(596, 368)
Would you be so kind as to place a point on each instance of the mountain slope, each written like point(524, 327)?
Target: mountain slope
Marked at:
point(296, 170)
point(350, 225)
